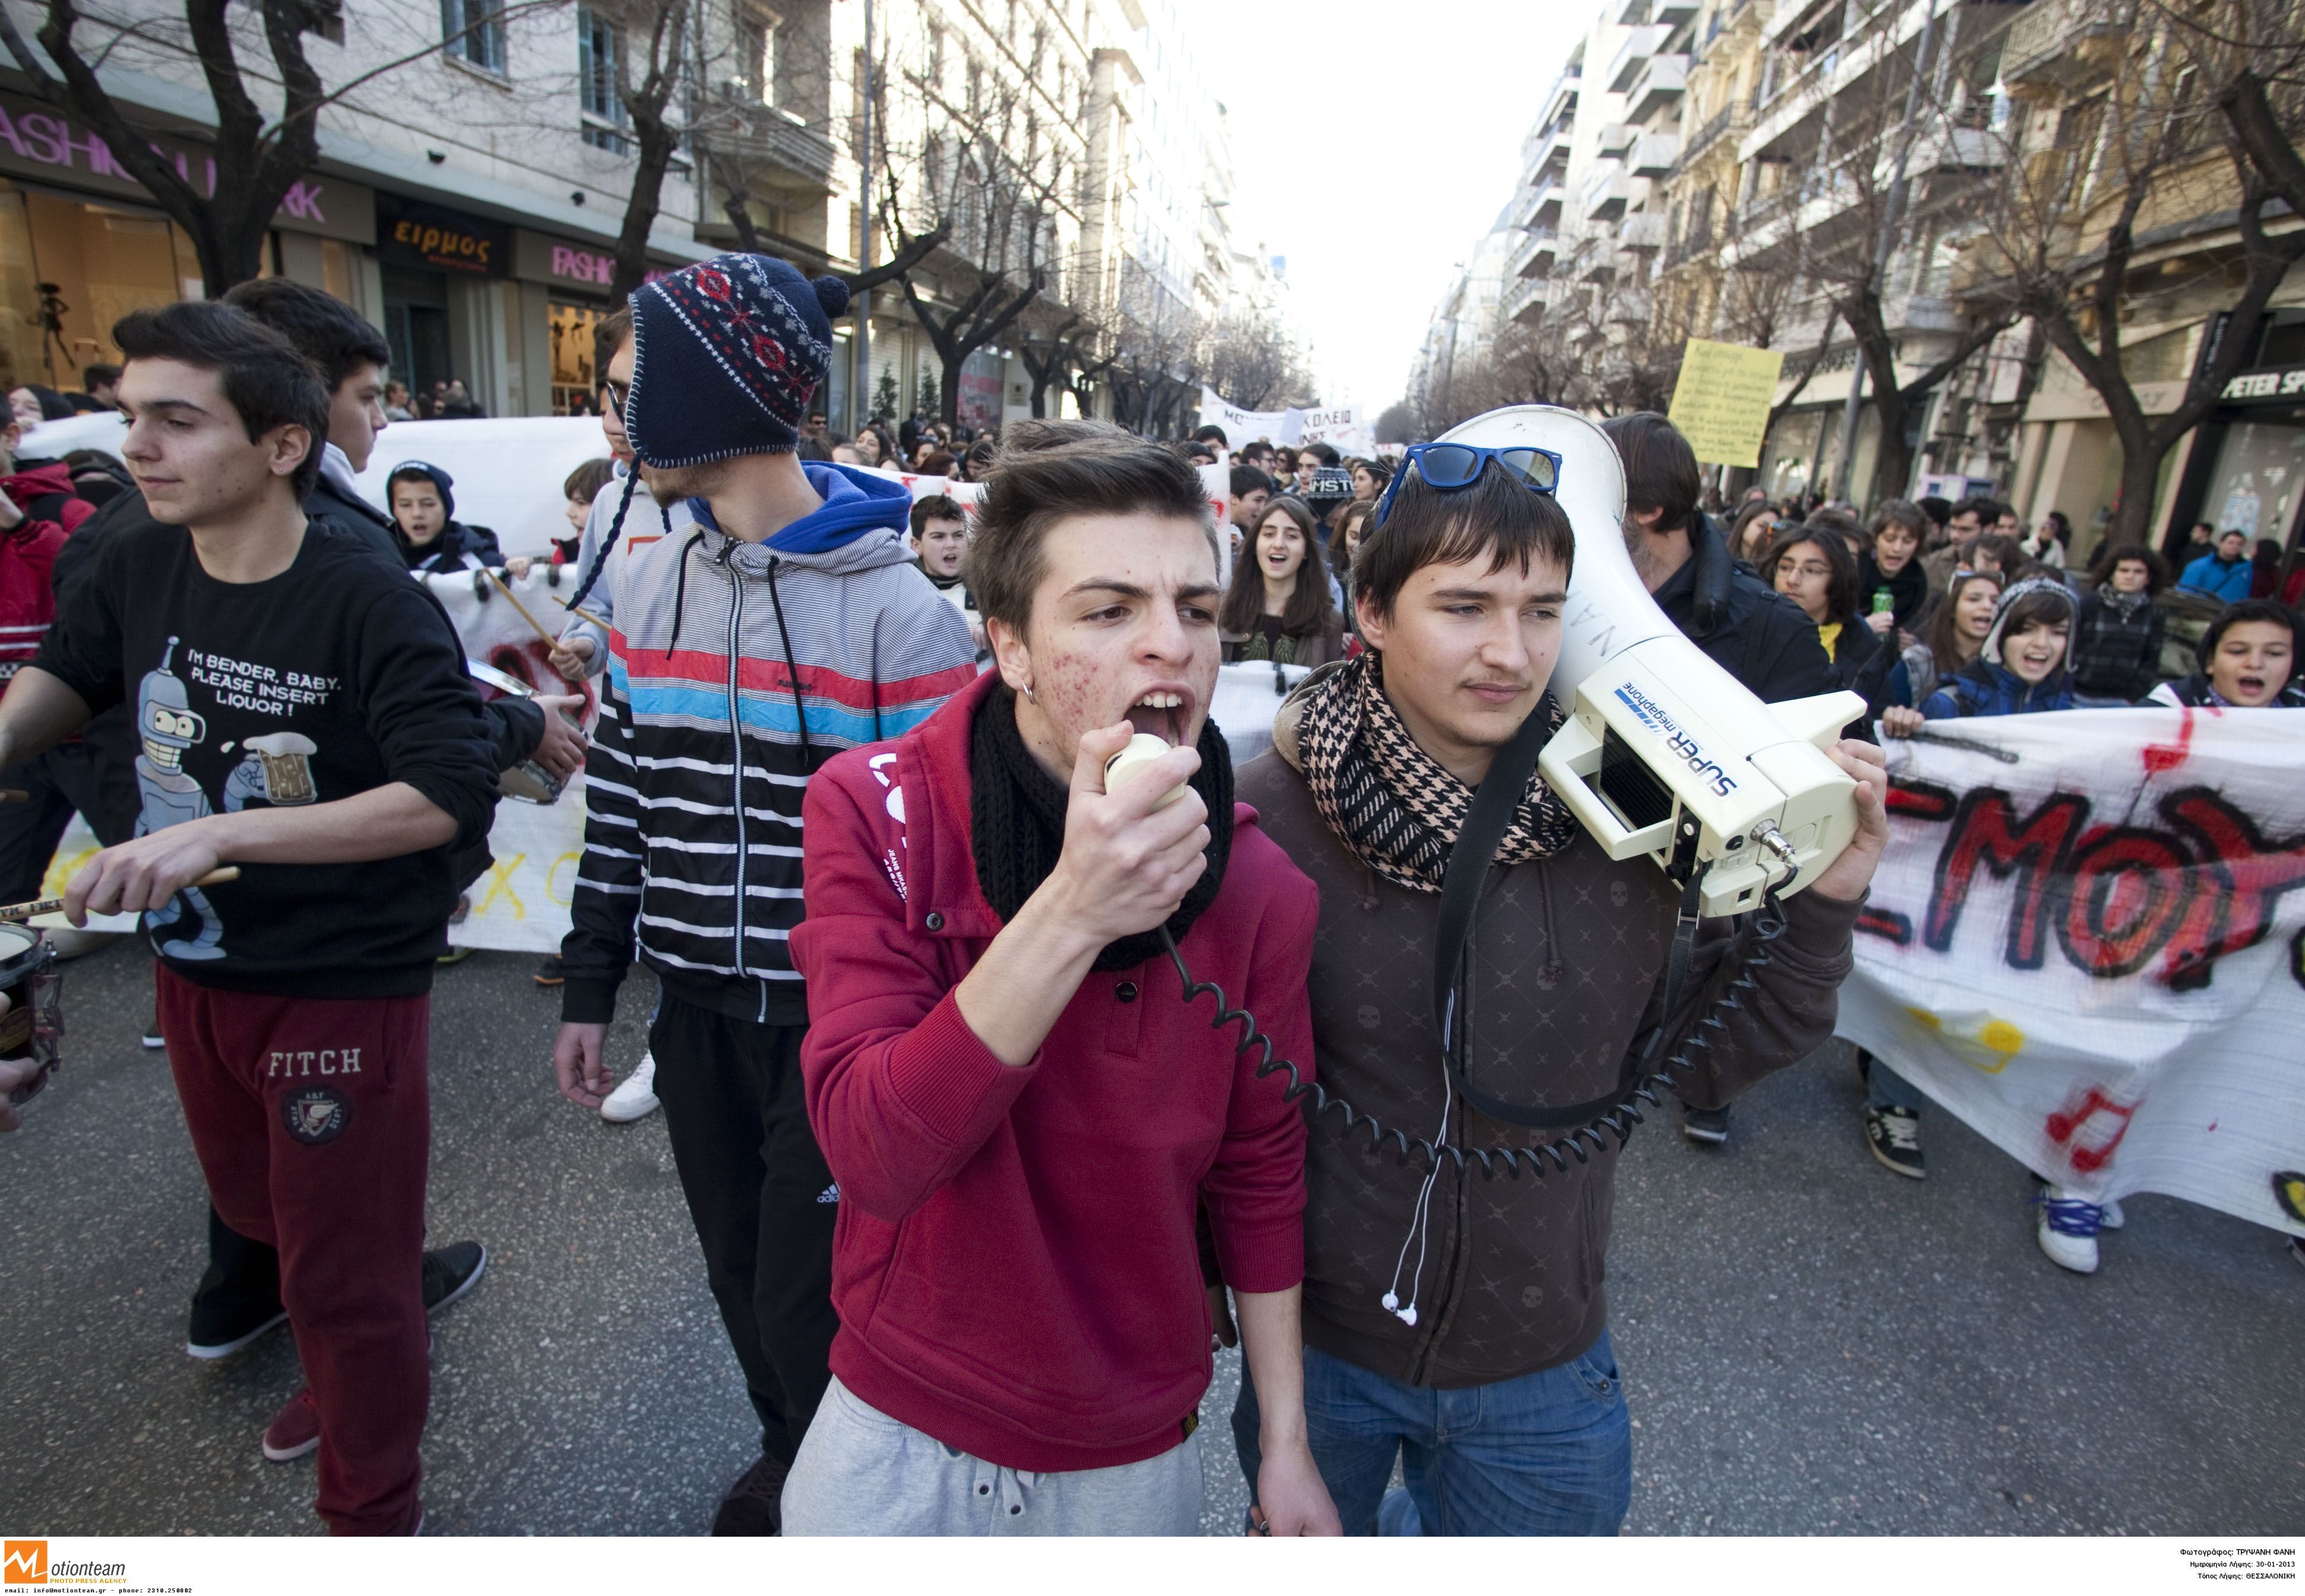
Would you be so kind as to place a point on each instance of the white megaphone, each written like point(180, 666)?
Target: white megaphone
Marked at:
point(1664, 753)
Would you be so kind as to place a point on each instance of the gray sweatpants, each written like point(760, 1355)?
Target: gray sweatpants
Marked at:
point(862, 1473)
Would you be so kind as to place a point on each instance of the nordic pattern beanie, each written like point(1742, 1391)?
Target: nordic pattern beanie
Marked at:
point(727, 355)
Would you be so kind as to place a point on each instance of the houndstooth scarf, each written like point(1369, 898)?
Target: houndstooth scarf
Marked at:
point(1389, 800)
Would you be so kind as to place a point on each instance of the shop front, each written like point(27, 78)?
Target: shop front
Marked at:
point(2248, 477)
point(81, 244)
point(431, 259)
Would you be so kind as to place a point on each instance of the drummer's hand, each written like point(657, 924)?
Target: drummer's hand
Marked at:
point(517, 566)
point(578, 1059)
point(570, 656)
point(561, 749)
point(143, 874)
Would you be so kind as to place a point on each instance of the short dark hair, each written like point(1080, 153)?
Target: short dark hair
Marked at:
point(326, 331)
point(587, 479)
point(99, 376)
point(1938, 510)
point(1896, 512)
point(936, 506)
point(2006, 551)
point(1498, 515)
point(1213, 433)
point(1840, 588)
point(1985, 510)
point(1310, 605)
point(265, 380)
point(2249, 609)
point(1248, 479)
point(610, 333)
point(1049, 471)
point(1660, 468)
point(1318, 451)
point(2156, 569)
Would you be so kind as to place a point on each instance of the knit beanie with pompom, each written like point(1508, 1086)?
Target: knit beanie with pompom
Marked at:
point(727, 355)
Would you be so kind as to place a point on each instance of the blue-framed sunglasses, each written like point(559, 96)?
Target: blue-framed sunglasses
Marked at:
point(1451, 466)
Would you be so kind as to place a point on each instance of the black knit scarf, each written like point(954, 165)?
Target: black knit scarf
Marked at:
point(1016, 823)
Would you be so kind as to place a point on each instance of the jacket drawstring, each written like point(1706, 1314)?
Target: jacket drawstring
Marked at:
point(616, 531)
point(792, 669)
point(679, 588)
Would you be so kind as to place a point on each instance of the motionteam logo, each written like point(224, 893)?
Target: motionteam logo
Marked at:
point(24, 1562)
point(1653, 716)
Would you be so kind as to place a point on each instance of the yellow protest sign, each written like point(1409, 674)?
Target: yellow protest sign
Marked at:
point(1721, 404)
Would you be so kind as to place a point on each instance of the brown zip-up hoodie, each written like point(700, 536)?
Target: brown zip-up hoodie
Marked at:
point(1566, 966)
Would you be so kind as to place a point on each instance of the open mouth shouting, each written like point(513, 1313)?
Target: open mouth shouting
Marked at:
point(1166, 712)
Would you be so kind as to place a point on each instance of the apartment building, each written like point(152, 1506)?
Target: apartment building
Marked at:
point(475, 172)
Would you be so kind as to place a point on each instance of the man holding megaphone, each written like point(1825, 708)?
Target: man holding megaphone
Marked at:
point(1454, 1322)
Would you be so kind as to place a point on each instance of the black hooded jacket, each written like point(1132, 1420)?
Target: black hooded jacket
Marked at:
point(1744, 626)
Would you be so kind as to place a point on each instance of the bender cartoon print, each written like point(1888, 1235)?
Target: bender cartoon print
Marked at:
point(276, 769)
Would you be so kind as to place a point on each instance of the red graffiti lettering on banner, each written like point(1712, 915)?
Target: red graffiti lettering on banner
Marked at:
point(1985, 833)
point(2090, 1110)
point(2246, 876)
point(2129, 887)
point(2161, 758)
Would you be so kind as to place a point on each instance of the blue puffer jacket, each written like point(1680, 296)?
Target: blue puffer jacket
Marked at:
point(2218, 578)
point(1987, 689)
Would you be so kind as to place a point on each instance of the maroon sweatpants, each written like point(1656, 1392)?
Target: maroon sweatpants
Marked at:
point(312, 1121)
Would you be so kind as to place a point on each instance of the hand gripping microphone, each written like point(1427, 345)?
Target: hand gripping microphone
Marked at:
point(1664, 754)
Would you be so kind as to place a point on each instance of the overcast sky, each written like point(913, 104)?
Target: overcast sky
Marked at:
point(1372, 145)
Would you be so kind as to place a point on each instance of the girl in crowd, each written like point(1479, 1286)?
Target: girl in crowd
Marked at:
point(2265, 569)
point(1893, 589)
point(1957, 629)
point(1812, 566)
point(1344, 543)
point(1280, 606)
point(2021, 669)
point(1754, 530)
point(2117, 645)
point(1370, 478)
point(1284, 469)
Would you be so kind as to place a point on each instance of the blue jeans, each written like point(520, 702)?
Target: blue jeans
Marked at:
point(1548, 1453)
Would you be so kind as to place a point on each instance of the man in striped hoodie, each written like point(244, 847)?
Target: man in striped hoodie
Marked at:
point(787, 624)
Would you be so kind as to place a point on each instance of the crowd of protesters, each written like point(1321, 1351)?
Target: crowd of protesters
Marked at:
point(973, 1205)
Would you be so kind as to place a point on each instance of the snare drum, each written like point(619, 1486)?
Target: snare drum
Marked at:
point(530, 783)
point(34, 1023)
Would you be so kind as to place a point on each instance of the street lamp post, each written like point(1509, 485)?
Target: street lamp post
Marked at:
point(860, 398)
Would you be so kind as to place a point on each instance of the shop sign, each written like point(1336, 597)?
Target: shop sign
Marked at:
point(588, 267)
point(38, 142)
point(2260, 387)
point(408, 234)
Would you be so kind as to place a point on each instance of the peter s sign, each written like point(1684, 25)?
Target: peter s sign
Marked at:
point(2269, 387)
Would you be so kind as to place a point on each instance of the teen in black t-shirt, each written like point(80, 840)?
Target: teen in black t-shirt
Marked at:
point(304, 716)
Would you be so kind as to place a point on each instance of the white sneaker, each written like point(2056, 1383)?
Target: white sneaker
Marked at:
point(2109, 1216)
point(634, 1097)
point(2068, 1230)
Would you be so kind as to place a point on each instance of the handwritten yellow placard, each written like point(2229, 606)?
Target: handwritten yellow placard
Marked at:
point(1721, 404)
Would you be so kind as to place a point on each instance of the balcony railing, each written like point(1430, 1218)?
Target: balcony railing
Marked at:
point(1663, 82)
point(1643, 232)
point(1655, 153)
point(1639, 45)
point(2060, 44)
point(1706, 137)
point(759, 135)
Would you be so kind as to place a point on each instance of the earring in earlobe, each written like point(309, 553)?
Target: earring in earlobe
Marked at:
point(1028, 696)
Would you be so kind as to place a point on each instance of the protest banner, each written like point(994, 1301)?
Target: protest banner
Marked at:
point(2085, 941)
point(1242, 426)
point(1720, 402)
point(1339, 426)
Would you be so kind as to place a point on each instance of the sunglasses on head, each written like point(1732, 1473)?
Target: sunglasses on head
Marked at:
point(1451, 466)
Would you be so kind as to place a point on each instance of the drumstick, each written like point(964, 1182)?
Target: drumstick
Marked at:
point(230, 872)
point(582, 614)
point(14, 795)
point(517, 604)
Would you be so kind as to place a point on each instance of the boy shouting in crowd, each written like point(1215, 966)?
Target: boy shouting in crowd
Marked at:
point(305, 717)
point(1452, 1323)
point(1022, 1115)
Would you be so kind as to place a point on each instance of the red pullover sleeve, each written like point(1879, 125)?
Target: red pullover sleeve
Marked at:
point(1255, 1192)
point(901, 1093)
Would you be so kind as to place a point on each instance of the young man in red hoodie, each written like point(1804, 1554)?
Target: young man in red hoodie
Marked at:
point(1022, 1112)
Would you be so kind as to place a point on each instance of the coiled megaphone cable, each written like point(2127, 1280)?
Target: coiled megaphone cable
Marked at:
point(1769, 924)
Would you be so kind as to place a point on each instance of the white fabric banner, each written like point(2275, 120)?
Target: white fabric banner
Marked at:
point(1245, 426)
point(1339, 426)
point(2087, 942)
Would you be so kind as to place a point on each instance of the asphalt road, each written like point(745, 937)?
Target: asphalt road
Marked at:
point(1811, 1344)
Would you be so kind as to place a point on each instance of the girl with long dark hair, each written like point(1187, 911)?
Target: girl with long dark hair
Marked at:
point(1279, 607)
